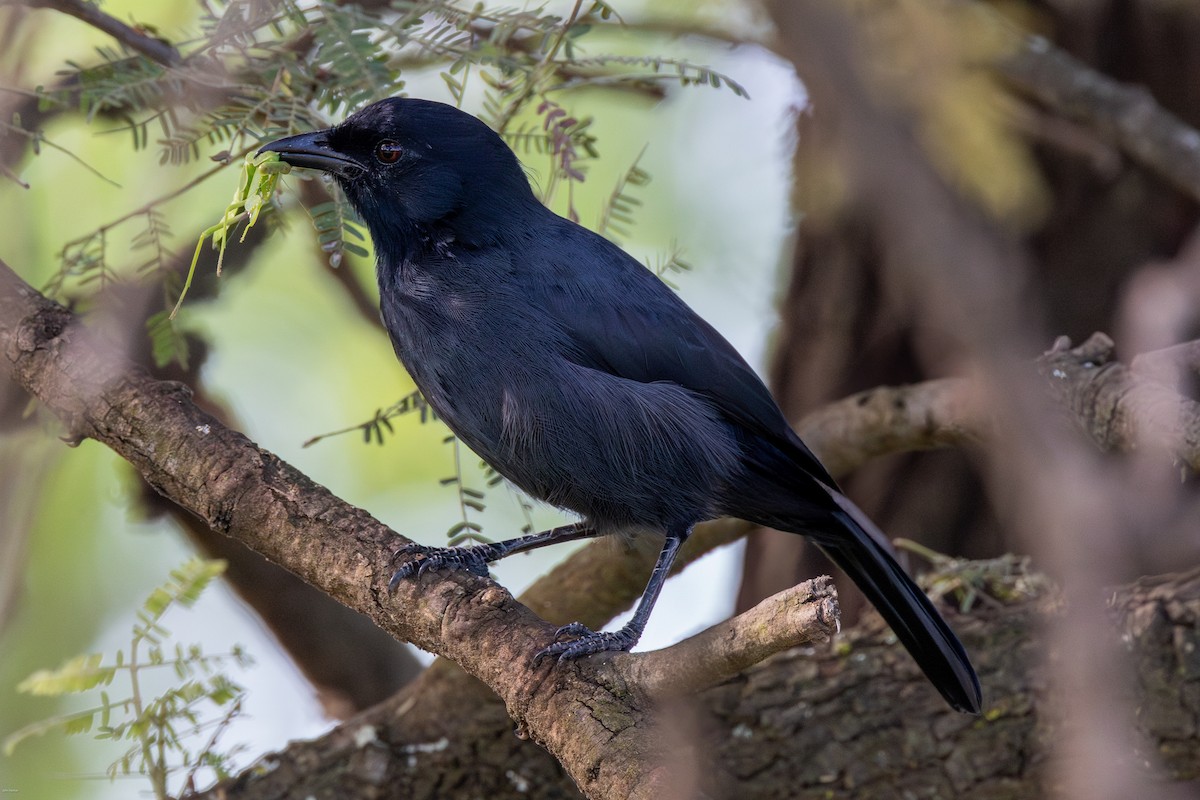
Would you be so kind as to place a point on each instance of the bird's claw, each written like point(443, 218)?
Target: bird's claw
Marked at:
point(576, 629)
point(585, 642)
point(420, 558)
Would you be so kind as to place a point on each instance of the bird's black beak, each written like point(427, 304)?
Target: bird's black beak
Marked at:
point(312, 150)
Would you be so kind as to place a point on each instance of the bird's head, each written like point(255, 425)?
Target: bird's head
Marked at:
point(417, 170)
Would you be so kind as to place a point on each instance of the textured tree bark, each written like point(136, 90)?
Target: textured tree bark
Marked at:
point(315, 630)
point(853, 721)
point(871, 735)
point(1116, 407)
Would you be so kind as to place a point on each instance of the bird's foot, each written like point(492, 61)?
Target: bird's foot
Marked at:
point(586, 642)
point(419, 558)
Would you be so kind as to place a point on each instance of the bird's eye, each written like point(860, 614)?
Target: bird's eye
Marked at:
point(388, 152)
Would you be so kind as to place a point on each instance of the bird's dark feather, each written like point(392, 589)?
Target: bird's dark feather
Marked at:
point(660, 340)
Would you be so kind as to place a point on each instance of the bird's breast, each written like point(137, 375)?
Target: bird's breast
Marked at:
point(618, 451)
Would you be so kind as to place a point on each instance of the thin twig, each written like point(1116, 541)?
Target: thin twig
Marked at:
point(155, 49)
point(800, 615)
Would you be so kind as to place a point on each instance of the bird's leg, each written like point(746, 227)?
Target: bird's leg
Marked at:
point(475, 558)
point(586, 641)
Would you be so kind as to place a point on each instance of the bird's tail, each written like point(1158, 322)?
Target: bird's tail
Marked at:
point(865, 555)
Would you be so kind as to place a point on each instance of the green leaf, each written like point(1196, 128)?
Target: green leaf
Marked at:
point(192, 578)
point(42, 726)
point(80, 724)
point(77, 674)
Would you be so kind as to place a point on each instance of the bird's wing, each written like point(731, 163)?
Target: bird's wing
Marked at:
point(637, 328)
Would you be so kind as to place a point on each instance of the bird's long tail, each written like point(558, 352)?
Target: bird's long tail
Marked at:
point(865, 555)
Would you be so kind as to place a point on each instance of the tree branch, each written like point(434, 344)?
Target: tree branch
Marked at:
point(1116, 407)
point(1128, 115)
point(803, 614)
point(155, 49)
point(895, 419)
point(864, 731)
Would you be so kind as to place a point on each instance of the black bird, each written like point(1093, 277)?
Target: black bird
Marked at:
point(580, 377)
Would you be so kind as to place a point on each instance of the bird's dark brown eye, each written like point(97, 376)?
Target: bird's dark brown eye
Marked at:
point(388, 151)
